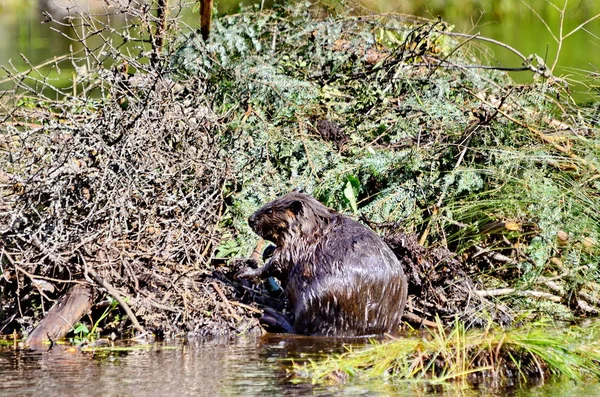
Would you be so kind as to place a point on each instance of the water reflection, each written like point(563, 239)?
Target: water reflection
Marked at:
point(239, 367)
point(218, 367)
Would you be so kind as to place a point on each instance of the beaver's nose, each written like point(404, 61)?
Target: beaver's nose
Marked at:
point(252, 221)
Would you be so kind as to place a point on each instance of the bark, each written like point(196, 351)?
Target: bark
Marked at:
point(60, 319)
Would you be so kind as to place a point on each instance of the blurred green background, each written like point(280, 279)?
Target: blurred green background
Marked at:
point(513, 22)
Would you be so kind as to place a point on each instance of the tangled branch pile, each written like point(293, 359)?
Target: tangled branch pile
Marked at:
point(147, 166)
point(127, 189)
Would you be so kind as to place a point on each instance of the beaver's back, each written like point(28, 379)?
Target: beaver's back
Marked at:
point(352, 284)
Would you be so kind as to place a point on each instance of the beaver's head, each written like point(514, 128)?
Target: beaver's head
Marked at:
point(295, 217)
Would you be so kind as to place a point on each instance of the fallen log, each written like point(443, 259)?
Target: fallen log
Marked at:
point(60, 319)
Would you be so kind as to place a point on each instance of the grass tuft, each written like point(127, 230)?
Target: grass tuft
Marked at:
point(537, 351)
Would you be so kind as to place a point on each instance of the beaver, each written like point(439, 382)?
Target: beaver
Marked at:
point(340, 277)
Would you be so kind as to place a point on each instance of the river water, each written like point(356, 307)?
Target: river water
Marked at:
point(239, 367)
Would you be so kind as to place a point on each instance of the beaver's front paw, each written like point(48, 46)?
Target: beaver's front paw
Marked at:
point(248, 273)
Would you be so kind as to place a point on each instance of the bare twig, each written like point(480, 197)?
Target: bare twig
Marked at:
point(415, 319)
point(520, 293)
point(247, 307)
point(54, 60)
point(117, 295)
point(225, 301)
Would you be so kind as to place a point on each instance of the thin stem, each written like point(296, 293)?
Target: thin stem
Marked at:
point(581, 26)
point(560, 35)
point(487, 39)
point(541, 20)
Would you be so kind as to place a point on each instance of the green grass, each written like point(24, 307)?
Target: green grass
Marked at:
point(534, 351)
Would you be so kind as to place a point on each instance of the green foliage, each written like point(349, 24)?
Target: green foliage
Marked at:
point(81, 331)
point(274, 74)
point(351, 192)
point(84, 334)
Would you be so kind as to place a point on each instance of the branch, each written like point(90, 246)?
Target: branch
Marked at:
point(524, 294)
point(115, 294)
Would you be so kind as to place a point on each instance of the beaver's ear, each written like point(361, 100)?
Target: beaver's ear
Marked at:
point(296, 207)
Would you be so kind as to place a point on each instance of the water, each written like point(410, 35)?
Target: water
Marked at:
point(242, 367)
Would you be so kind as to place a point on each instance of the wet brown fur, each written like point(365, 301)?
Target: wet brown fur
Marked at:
point(340, 277)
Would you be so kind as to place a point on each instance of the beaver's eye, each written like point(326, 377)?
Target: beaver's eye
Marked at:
point(269, 211)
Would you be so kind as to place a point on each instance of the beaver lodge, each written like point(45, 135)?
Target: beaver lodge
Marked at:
point(125, 195)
